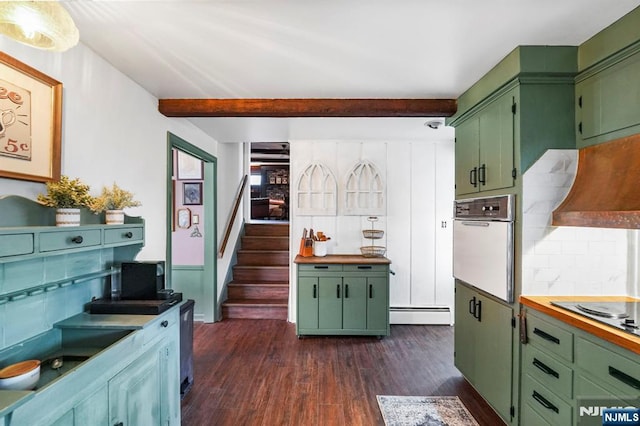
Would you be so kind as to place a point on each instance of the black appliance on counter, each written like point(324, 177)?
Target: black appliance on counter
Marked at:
point(624, 316)
point(138, 289)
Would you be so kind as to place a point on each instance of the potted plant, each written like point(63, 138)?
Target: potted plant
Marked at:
point(112, 201)
point(67, 196)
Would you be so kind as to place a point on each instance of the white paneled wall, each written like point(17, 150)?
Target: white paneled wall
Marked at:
point(418, 181)
point(569, 260)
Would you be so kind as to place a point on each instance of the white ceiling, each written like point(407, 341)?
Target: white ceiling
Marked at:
point(323, 49)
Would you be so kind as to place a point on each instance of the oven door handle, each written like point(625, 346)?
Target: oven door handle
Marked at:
point(482, 224)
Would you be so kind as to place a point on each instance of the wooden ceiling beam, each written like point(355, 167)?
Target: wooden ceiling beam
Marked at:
point(307, 107)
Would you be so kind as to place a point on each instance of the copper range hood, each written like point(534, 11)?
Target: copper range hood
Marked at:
point(606, 190)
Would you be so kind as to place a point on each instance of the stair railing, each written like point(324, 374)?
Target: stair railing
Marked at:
point(232, 218)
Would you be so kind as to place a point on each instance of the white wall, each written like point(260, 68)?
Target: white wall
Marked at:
point(412, 177)
point(112, 131)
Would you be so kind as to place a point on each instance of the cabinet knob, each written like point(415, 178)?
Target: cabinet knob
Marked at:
point(77, 240)
point(164, 323)
point(128, 234)
point(119, 424)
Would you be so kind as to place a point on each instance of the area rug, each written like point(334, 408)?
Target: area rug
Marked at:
point(424, 411)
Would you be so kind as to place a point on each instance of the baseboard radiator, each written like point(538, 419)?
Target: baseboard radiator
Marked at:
point(436, 315)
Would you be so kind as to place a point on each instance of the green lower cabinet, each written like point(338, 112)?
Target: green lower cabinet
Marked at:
point(135, 381)
point(142, 394)
point(134, 394)
point(94, 410)
point(67, 419)
point(307, 318)
point(567, 374)
point(354, 303)
point(330, 303)
point(377, 303)
point(483, 342)
point(333, 301)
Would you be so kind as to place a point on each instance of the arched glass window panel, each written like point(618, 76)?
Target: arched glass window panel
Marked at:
point(317, 191)
point(364, 190)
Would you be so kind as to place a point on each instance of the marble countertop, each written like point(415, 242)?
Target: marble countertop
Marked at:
point(610, 334)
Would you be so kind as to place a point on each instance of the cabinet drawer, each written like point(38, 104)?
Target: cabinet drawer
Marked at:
point(586, 390)
point(122, 235)
point(320, 268)
point(546, 403)
point(365, 268)
point(16, 244)
point(622, 373)
point(50, 241)
point(531, 418)
point(550, 337)
point(161, 325)
point(549, 371)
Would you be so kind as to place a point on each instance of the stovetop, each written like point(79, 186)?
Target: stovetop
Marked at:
point(624, 316)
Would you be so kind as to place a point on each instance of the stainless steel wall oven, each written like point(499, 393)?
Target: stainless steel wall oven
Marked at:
point(483, 244)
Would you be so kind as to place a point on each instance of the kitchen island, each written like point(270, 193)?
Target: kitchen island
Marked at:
point(342, 295)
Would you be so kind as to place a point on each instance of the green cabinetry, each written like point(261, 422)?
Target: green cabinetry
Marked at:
point(608, 98)
point(342, 298)
point(506, 121)
point(608, 84)
point(483, 342)
point(565, 368)
point(484, 147)
point(134, 381)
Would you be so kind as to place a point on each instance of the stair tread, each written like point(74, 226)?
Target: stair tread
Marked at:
point(261, 283)
point(262, 266)
point(256, 251)
point(256, 302)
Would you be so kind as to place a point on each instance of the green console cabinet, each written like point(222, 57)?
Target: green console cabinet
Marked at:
point(342, 295)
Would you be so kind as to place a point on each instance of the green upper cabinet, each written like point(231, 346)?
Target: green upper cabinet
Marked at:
point(607, 94)
point(510, 117)
point(608, 99)
point(484, 148)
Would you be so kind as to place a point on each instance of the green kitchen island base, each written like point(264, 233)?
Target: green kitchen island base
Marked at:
point(342, 295)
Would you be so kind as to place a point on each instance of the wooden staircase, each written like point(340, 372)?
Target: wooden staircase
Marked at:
point(260, 285)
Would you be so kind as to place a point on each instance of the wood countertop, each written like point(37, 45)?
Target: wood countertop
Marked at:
point(610, 334)
point(354, 259)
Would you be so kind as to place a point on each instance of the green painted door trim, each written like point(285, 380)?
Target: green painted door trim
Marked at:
point(210, 202)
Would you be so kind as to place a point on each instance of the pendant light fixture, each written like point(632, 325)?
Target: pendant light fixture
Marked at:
point(41, 24)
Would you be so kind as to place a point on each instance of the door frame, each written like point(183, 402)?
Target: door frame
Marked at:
point(210, 202)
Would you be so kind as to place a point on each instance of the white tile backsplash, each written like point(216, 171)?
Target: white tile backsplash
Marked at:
point(570, 260)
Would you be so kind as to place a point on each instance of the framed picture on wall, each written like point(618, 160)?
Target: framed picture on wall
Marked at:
point(189, 168)
point(192, 193)
point(30, 122)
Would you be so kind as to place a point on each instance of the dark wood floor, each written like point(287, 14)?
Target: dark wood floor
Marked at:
point(257, 372)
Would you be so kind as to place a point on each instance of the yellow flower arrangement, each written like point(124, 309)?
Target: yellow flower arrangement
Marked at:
point(66, 194)
point(114, 198)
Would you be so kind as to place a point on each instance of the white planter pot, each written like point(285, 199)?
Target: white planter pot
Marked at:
point(114, 217)
point(67, 217)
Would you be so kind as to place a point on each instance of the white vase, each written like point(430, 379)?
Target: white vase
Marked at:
point(114, 217)
point(67, 217)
